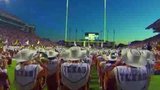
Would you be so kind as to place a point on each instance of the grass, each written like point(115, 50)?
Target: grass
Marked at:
point(94, 85)
point(155, 83)
point(11, 74)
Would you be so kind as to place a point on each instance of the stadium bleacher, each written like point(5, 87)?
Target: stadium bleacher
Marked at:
point(13, 29)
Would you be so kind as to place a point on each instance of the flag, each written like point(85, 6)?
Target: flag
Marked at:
point(75, 44)
point(101, 44)
point(38, 42)
point(16, 42)
point(6, 41)
point(27, 42)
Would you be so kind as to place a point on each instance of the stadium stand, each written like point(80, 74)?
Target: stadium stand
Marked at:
point(15, 30)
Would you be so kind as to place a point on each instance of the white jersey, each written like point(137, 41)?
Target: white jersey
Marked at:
point(75, 75)
point(3, 70)
point(129, 78)
point(26, 77)
point(150, 66)
point(150, 61)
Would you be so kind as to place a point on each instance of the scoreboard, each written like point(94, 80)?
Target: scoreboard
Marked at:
point(91, 36)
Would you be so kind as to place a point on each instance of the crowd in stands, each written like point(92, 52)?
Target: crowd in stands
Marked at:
point(15, 35)
point(152, 41)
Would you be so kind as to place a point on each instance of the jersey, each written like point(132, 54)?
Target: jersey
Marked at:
point(75, 75)
point(25, 77)
point(131, 78)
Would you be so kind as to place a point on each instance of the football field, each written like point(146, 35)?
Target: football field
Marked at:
point(94, 85)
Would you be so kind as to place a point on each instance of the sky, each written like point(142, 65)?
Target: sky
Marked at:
point(128, 18)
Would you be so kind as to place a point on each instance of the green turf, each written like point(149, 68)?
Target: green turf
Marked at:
point(155, 83)
point(11, 75)
point(94, 85)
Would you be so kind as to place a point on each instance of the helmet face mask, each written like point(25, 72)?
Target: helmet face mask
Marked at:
point(113, 57)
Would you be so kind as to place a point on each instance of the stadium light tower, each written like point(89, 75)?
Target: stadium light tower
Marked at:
point(66, 23)
point(105, 19)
